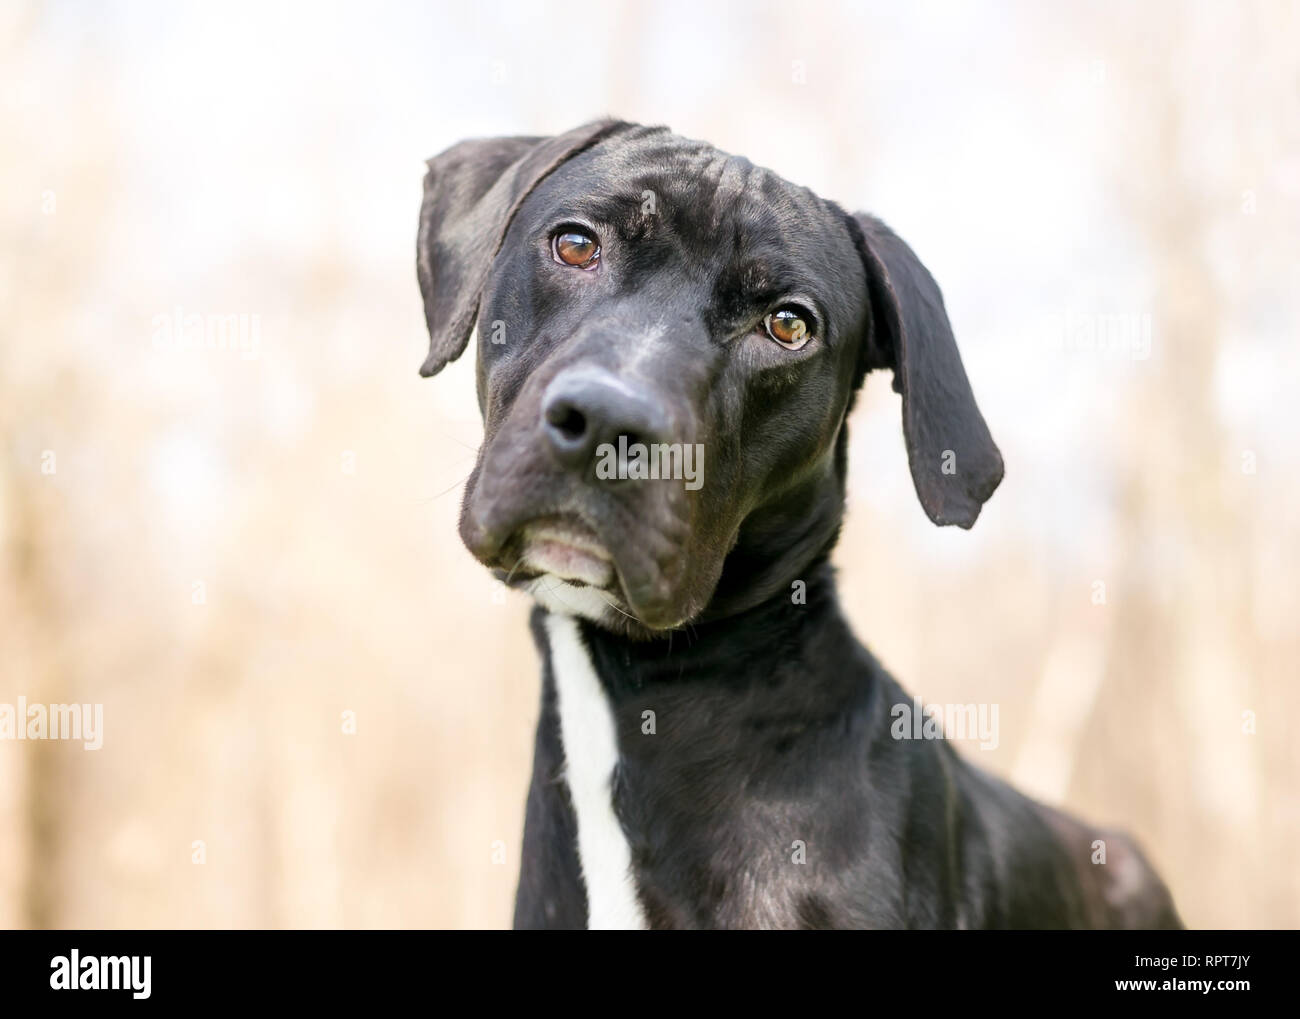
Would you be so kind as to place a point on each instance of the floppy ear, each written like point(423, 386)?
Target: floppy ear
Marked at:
point(955, 465)
point(471, 194)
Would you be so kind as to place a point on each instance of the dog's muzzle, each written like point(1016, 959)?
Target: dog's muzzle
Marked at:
point(552, 496)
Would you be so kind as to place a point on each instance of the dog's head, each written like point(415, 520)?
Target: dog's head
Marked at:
point(669, 341)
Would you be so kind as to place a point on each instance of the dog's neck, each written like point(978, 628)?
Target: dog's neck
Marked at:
point(730, 648)
point(782, 543)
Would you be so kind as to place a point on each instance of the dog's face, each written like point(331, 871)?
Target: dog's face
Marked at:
point(669, 341)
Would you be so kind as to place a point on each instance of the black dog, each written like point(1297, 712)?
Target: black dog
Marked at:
point(715, 747)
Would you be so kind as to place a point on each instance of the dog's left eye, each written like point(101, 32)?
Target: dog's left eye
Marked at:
point(576, 248)
point(789, 326)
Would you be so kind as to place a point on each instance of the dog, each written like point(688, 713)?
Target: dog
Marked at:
point(714, 746)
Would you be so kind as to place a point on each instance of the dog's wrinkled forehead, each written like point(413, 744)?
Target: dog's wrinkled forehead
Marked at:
point(716, 185)
point(684, 201)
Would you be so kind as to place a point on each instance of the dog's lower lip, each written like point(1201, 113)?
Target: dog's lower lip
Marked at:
point(569, 563)
point(568, 550)
point(564, 533)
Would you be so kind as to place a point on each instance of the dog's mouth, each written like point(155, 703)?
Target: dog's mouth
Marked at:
point(570, 567)
point(563, 547)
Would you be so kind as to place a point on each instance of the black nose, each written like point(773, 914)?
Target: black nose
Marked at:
point(583, 409)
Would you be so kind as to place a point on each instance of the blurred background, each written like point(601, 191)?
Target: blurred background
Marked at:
point(318, 710)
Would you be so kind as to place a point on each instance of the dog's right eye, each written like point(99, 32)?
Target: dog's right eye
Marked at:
point(789, 326)
point(576, 248)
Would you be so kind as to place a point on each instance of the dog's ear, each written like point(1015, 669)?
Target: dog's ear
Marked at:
point(955, 465)
point(471, 193)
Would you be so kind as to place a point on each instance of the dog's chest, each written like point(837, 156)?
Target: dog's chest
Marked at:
point(666, 836)
point(591, 756)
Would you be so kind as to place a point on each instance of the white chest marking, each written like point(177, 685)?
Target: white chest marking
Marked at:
point(591, 754)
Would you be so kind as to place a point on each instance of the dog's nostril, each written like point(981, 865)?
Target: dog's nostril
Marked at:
point(582, 412)
point(567, 420)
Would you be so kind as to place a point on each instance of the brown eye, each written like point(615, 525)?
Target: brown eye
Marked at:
point(573, 247)
point(789, 327)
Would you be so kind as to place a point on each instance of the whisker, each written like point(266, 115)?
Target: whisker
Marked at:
point(452, 487)
point(608, 602)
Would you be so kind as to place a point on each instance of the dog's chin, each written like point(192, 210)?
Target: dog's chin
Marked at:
point(604, 607)
point(556, 594)
point(567, 569)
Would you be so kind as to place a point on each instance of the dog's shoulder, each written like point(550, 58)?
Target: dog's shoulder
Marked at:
point(1126, 892)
